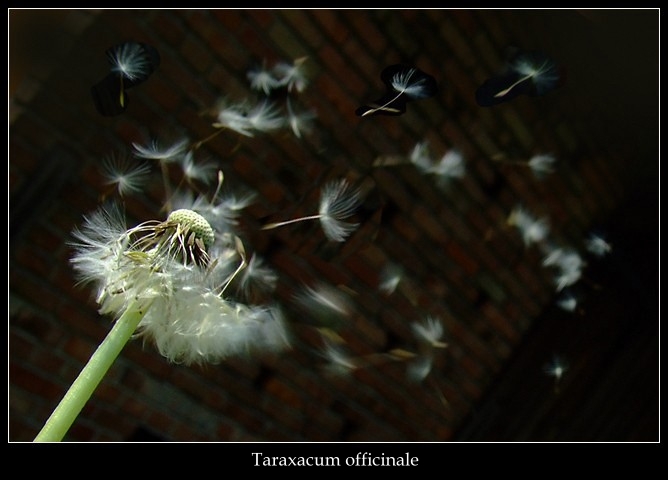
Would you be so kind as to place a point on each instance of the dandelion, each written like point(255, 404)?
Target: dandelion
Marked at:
point(338, 201)
point(165, 282)
point(292, 76)
point(597, 245)
point(127, 178)
point(533, 230)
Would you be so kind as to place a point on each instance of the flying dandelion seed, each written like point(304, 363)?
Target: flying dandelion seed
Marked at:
point(598, 245)
point(338, 201)
point(390, 276)
point(256, 277)
point(126, 177)
point(197, 171)
point(568, 302)
point(167, 153)
point(262, 79)
point(322, 297)
point(535, 68)
point(246, 119)
point(429, 331)
point(131, 64)
point(556, 369)
point(529, 73)
point(403, 84)
point(339, 362)
point(541, 165)
point(420, 156)
point(420, 368)
point(533, 230)
point(299, 122)
point(293, 75)
point(568, 263)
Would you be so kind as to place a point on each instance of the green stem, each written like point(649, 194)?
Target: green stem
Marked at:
point(90, 377)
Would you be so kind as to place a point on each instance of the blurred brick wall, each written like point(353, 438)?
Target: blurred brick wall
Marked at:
point(466, 266)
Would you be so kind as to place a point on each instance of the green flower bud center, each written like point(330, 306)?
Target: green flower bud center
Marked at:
point(193, 222)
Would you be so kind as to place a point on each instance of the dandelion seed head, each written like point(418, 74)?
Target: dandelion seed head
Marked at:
point(155, 265)
point(193, 222)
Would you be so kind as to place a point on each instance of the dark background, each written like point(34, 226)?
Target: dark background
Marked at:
point(602, 126)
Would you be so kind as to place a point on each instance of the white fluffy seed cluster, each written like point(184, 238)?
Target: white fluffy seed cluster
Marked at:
point(188, 317)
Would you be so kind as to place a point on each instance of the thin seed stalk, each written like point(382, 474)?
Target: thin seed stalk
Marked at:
point(90, 377)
